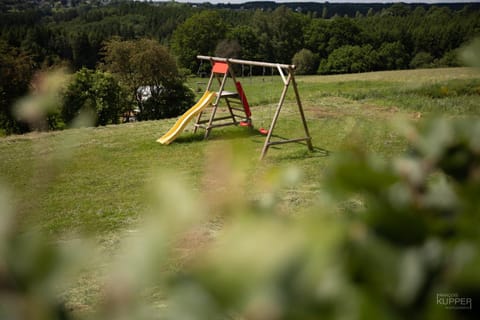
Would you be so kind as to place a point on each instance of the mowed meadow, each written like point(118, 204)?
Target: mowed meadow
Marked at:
point(102, 182)
point(98, 178)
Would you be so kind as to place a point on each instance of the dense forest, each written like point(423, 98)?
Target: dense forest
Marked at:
point(322, 38)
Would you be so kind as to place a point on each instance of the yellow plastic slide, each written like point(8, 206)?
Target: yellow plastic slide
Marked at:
point(182, 122)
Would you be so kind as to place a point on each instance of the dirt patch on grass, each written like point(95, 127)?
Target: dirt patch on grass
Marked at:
point(379, 111)
point(359, 110)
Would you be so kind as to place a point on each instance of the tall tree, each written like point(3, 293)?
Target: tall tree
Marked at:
point(16, 70)
point(146, 63)
point(82, 51)
point(392, 56)
point(199, 34)
point(344, 31)
point(316, 36)
point(247, 39)
point(286, 29)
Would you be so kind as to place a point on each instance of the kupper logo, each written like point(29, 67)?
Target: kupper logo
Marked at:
point(454, 301)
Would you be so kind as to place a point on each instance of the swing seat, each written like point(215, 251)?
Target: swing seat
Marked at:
point(263, 131)
point(245, 123)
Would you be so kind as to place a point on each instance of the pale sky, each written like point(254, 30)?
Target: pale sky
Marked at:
point(330, 1)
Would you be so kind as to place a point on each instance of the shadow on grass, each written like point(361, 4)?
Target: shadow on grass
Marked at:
point(321, 152)
point(317, 152)
point(257, 138)
point(219, 134)
point(190, 137)
point(303, 154)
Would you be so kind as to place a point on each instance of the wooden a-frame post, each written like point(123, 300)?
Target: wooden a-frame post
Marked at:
point(287, 80)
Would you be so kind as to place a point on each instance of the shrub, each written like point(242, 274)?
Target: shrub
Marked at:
point(422, 60)
point(449, 59)
point(305, 61)
point(350, 59)
point(95, 93)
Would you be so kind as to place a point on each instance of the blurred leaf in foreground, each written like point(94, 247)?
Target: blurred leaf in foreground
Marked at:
point(470, 54)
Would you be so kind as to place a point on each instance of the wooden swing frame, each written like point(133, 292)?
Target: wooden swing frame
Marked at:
point(287, 73)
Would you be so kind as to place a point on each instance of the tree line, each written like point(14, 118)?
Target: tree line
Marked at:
point(74, 34)
point(394, 38)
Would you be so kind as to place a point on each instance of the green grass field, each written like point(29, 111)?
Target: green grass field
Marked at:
point(99, 180)
point(96, 178)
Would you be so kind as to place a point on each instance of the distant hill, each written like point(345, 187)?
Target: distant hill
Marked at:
point(328, 10)
point(320, 9)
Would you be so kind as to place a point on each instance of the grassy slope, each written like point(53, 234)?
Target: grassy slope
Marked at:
point(99, 179)
point(96, 178)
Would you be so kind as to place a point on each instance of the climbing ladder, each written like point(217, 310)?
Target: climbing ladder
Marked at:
point(236, 101)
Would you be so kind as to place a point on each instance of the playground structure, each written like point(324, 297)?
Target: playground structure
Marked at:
point(239, 112)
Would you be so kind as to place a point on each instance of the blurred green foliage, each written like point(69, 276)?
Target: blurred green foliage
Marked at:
point(411, 235)
point(385, 240)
